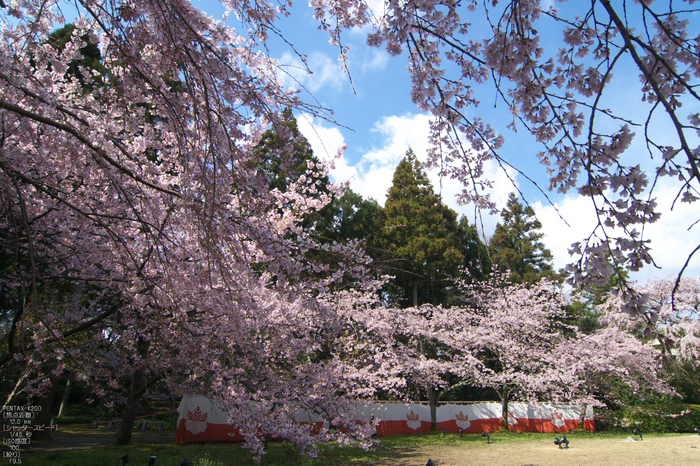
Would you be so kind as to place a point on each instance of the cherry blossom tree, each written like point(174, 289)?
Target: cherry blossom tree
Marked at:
point(675, 305)
point(141, 242)
point(516, 340)
point(515, 332)
point(413, 351)
point(594, 364)
point(669, 321)
point(564, 95)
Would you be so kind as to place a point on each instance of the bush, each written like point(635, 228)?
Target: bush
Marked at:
point(660, 418)
point(83, 414)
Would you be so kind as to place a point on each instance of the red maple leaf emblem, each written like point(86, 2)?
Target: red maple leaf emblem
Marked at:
point(197, 415)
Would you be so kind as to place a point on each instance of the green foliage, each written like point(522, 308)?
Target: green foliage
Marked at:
point(75, 413)
point(348, 217)
point(517, 245)
point(91, 61)
point(278, 453)
point(283, 154)
point(471, 393)
point(683, 376)
point(659, 418)
point(616, 393)
point(207, 461)
point(215, 455)
point(581, 312)
point(424, 245)
point(476, 260)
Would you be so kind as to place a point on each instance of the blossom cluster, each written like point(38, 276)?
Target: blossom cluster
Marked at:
point(564, 95)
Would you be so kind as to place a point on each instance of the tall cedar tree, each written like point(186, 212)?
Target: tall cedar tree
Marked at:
point(348, 217)
point(516, 245)
point(91, 61)
point(346, 220)
point(278, 173)
point(423, 244)
point(476, 254)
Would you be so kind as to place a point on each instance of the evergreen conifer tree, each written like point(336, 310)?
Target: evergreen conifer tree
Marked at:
point(517, 246)
point(348, 216)
point(425, 245)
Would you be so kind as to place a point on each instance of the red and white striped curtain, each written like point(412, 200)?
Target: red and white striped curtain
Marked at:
point(551, 418)
point(200, 420)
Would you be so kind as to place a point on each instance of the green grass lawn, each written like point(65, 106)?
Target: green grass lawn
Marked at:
point(279, 453)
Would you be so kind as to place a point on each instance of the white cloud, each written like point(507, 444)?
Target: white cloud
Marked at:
point(374, 60)
point(401, 132)
point(325, 71)
point(371, 176)
point(671, 239)
point(324, 140)
point(375, 169)
point(566, 222)
point(675, 235)
point(377, 7)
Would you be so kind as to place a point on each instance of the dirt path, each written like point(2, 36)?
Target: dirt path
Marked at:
point(663, 451)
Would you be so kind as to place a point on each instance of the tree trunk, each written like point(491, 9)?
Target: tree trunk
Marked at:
point(505, 395)
point(432, 401)
point(42, 418)
point(131, 409)
point(136, 390)
point(414, 293)
point(66, 394)
point(582, 418)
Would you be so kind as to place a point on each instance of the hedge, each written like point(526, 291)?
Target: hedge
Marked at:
point(661, 418)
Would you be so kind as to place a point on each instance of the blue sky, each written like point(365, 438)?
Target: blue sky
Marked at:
point(378, 122)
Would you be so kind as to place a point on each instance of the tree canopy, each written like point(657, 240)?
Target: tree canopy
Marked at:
point(557, 69)
point(152, 197)
point(671, 324)
point(517, 247)
point(425, 245)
